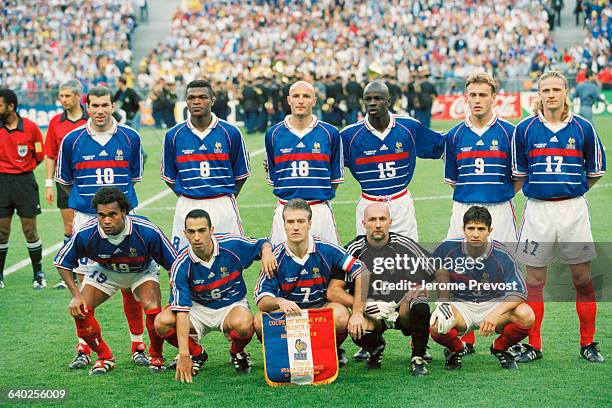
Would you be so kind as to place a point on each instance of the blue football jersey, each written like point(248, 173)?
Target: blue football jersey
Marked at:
point(87, 166)
point(556, 163)
point(204, 164)
point(479, 166)
point(305, 281)
point(218, 282)
point(495, 267)
point(384, 165)
point(143, 242)
point(304, 166)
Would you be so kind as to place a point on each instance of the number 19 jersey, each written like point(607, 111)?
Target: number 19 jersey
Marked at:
point(88, 162)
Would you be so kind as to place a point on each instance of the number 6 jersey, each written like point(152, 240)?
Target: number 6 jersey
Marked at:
point(89, 160)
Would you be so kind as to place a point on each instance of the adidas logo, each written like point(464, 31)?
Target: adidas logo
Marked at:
point(117, 251)
point(211, 275)
point(301, 144)
point(202, 147)
point(304, 272)
point(103, 153)
point(480, 143)
point(384, 147)
point(554, 139)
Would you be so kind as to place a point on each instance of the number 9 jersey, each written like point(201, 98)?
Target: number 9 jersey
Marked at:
point(89, 160)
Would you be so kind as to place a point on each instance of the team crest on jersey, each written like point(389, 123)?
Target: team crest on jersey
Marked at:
point(485, 277)
point(300, 348)
point(494, 145)
point(119, 155)
point(218, 147)
point(399, 147)
point(132, 253)
point(22, 150)
point(571, 143)
point(316, 148)
point(315, 272)
point(224, 272)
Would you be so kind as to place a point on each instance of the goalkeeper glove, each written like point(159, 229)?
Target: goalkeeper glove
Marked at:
point(380, 310)
point(444, 315)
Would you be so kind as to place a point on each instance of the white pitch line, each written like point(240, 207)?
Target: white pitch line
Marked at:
point(58, 245)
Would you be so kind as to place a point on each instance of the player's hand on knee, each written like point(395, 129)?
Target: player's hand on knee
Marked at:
point(380, 310)
point(288, 307)
point(488, 324)
point(444, 316)
point(77, 306)
point(184, 369)
point(357, 325)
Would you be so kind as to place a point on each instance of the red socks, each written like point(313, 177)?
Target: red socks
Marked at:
point(449, 340)
point(82, 347)
point(586, 307)
point(535, 299)
point(133, 312)
point(511, 334)
point(156, 343)
point(89, 330)
point(239, 343)
point(469, 338)
point(194, 348)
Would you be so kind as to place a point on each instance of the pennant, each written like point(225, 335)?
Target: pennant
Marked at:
point(300, 349)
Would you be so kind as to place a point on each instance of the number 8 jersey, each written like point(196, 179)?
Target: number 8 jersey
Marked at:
point(89, 160)
point(556, 161)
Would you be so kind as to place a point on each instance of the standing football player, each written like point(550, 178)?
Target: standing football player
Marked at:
point(478, 167)
point(125, 247)
point(208, 293)
point(21, 150)
point(305, 160)
point(205, 162)
point(101, 153)
point(73, 116)
point(557, 157)
point(381, 153)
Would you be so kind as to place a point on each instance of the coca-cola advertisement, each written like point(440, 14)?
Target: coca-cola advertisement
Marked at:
point(507, 105)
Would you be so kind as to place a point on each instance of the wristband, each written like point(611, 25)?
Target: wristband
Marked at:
point(49, 183)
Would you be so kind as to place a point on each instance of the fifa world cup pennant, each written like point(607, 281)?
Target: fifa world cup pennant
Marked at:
point(300, 349)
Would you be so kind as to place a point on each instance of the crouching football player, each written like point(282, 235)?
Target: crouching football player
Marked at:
point(124, 247)
point(403, 310)
point(487, 292)
point(207, 293)
point(305, 268)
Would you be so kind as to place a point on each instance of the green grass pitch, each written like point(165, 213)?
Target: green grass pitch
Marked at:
point(37, 335)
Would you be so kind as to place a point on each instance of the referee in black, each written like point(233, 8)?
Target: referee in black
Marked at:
point(409, 311)
point(21, 150)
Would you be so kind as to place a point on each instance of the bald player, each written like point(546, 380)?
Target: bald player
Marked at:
point(304, 160)
point(381, 152)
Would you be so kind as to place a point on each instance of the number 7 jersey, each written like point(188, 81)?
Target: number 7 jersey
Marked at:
point(88, 162)
point(556, 162)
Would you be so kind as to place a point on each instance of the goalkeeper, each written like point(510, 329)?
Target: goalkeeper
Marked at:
point(403, 310)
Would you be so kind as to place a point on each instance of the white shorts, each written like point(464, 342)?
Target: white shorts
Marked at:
point(86, 265)
point(546, 223)
point(109, 281)
point(205, 319)
point(474, 313)
point(504, 220)
point(402, 212)
point(223, 212)
point(323, 223)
